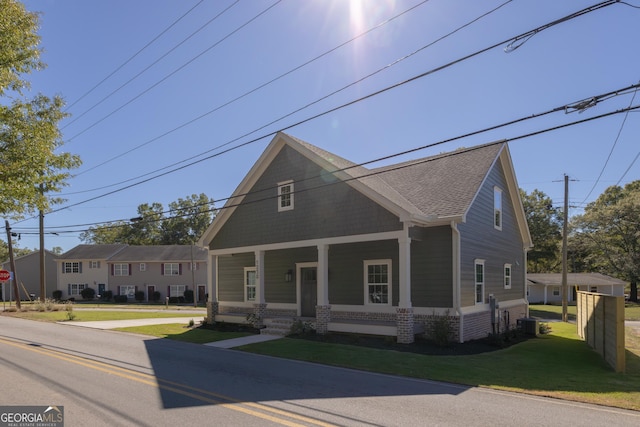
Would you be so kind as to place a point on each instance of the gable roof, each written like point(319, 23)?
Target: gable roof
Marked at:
point(588, 279)
point(445, 193)
point(92, 252)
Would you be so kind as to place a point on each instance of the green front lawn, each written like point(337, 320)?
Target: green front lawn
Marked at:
point(557, 365)
point(97, 315)
point(180, 332)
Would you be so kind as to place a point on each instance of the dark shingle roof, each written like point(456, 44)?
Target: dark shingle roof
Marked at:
point(160, 253)
point(444, 184)
point(92, 252)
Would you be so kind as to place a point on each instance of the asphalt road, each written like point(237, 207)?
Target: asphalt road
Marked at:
point(117, 379)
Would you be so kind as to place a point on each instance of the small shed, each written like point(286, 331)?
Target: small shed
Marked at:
point(544, 288)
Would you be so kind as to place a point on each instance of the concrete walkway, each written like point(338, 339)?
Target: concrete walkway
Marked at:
point(113, 324)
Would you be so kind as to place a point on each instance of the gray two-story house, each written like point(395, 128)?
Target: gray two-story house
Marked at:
point(164, 271)
point(386, 251)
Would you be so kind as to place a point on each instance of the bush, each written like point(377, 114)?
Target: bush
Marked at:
point(88, 293)
point(188, 295)
point(139, 296)
point(155, 297)
point(57, 295)
point(107, 295)
point(442, 332)
point(120, 298)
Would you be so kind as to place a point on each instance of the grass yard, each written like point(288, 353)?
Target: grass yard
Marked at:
point(557, 365)
point(554, 312)
point(180, 332)
point(89, 316)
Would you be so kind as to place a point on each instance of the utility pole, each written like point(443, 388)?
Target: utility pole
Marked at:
point(13, 265)
point(43, 286)
point(564, 249)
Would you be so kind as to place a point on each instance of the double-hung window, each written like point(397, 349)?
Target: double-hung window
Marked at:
point(377, 282)
point(171, 269)
point(479, 281)
point(507, 276)
point(285, 196)
point(72, 267)
point(128, 290)
point(177, 290)
point(249, 284)
point(76, 288)
point(121, 270)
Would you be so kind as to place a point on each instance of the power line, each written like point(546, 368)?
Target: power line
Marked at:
point(371, 95)
point(245, 94)
point(615, 142)
point(151, 65)
point(536, 30)
point(133, 56)
point(385, 170)
point(175, 71)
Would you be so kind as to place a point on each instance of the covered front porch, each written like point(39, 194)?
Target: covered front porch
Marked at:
point(321, 282)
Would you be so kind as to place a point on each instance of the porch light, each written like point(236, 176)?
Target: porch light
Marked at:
point(288, 276)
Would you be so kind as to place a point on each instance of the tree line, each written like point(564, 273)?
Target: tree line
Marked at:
point(604, 239)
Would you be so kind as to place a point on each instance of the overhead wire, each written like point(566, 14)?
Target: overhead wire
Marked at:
point(167, 53)
point(133, 56)
point(420, 148)
point(313, 117)
point(397, 167)
point(613, 147)
point(373, 94)
point(139, 95)
point(249, 92)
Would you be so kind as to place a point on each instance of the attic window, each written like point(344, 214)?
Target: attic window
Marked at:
point(497, 208)
point(285, 196)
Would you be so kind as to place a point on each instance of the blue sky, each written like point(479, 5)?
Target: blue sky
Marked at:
point(221, 86)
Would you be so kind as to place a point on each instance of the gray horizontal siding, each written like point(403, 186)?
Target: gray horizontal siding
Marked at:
point(346, 270)
point(320, 210)
point(431, 267)
point(480, 240)
point(276, 264)
point(231, 276)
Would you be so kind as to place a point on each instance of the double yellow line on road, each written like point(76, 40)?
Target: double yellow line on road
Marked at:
point(264, 412)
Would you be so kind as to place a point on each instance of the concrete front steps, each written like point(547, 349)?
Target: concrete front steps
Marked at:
point(280, 326)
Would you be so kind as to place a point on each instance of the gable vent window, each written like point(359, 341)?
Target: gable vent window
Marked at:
point(285, 196)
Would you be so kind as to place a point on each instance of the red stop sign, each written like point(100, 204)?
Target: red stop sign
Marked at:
point(4, 276)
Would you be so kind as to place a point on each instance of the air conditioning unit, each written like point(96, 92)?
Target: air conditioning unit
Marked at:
point(528, 326)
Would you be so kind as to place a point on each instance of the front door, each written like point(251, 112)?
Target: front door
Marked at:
point(308, 291)
point(202, 293)
point(150, 290)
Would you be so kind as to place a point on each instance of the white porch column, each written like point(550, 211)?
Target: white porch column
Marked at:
point(323, 275)
point(259, 277)
point(404, 273)
point(545, 294)
point(212, 288)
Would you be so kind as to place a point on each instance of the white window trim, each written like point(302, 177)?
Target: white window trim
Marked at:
point(508, 277)
point(143, 266)
point(69, 267)
point(78, 288)
point(128, 287)
point(177, 291)
point(175, 272)
point(497, 210)
point(281, 186)
point(119, 270)
point(246, 284)
point(94, 264)
point(475, 280)
point(389, 283)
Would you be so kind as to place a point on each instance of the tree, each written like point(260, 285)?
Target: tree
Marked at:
point(545, 226)
point(186, 220)
point(609, 229)
point(29, 134)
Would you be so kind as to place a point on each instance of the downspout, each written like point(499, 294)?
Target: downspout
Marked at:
point(455, 253)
